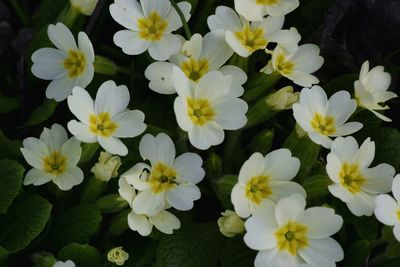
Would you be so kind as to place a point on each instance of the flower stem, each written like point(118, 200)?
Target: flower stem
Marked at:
point(183, 19)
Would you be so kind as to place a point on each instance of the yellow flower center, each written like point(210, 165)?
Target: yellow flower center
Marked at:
point(195, 69)
point(398, 214)
point(75, 63)
point(252, 39)
point(153, 27)
point(162, 178)
point(200, 111)
point(54, 164)
point(351, 178)
point(267, 2)
point(102, 124)
point(258, 189)
point(292, 237)
point(323, 125)
point(283, 65)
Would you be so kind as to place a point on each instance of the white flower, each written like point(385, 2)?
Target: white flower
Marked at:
point(149, 25)
point(230, 224)
point(67, 66)
point(205, 109)
point(246, 37)
point(106, 119)
point(286, 234)
point(256, 10)
point(54, 158)
point(107, 167)
point(164, 221)
point(355, 183)
point(197, 57)
point(371, 89)
point(169, 181)
point(296, 66)
point(387, 208)
point(118, 256)
point(262, 178)
point(68, 263)
point(85, 7)
point(282, 99)
point(322, 118)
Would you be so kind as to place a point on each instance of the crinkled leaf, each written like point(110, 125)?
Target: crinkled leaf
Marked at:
point(9, 149)
point(119, 223)
point(81, 255)
point(42, 113)
point(317, 186)
point(10, 182)
point(111, 203)
point(223, 189)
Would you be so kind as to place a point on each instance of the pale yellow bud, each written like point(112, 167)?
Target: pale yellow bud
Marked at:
point(283, 98)
point(230, 224)
point(85, 7)
point(107, 167)
point(118, 256)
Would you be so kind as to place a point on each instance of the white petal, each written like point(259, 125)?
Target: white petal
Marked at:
point(183, 86)
point(81, 132)
point(139, 223)
point(73, 151)
point(320, 139)
point(340, 192)
point(236, 45)
point(289, 208)
point(230, 113)
point(284, 7)
point(174, 21)
point(280, 165)
point(160, 148)
point(377, 80)
point(137, 176)
point(210, 134)
point(345, 148)
point(225, 18)
point(386, 209)
point(71, 177)
point(161, 7)
point(362, 204)
point(81, 104)
point(321, 222)
point(181, 111)
point(54, 138)
point(396, 231)
point(250, 9)
point(165, 222)
point(282, 189)
point(126, 13)
point(215, 49)
point(111, 98)
point(37, 177)
point(275, 258)
point(333, 167)
point(85, 45)
point(348, 128)
point(130, 42)
point(365, 154)
point(34, 151)
point(61, 37)
point(213, 86)
point(61, 88)
point(286, 39)
point(48, 63)
point(181, 197)
point(378, 179)
point(147, 202)
point(130, 124)
point(113, 145)
point(169, 45)
point(159, 74)
point(322, 252)
point(254, 166)
point(302, 116)
point(340, 106)
point(238, 75)
point(302, 78)
point(240, 201)
point(307, 58)
point(189, 168)
point(396, 187)
point(126, 191)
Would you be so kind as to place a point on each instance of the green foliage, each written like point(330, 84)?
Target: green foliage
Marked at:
point(24, 221)
point(42, 113)
point(119, 223)
point(111, 203)
point(81, 255)
point(8, 104)
point(10, 182)
point(9, 149)
point(223, 188)
point(388, 140)
point(316, 186)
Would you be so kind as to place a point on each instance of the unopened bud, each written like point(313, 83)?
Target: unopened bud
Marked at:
point(118, 256)
point(107, 167)
point(230, 224)
point(283, 98)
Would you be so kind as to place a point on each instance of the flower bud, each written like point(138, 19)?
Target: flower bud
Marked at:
point(283, 98)
point(107, 167)
point(85, 7)
point(118, 256)
point(230, 224)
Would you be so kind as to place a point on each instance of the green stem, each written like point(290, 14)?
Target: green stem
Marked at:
point(20, 12)
point(183, 19)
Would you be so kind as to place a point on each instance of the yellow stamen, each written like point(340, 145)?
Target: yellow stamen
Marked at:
point(351, 178)
point(267, 2)
point(292, 237)
point(102, 124)
point(283, 65)
point(323, 125)
point(162, 178)
point(252, 39)
point(54, 164)
point(195, 69)
point(75, 63)
point(258, 189)
point(200, 111)
point(153, 27)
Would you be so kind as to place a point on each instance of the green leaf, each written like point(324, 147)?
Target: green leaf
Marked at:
point(213, 166)
point(393, 249)
point(42, 113)
point(81, 255)
point(357, 254)
point(344, 82)
point(9, 149)
point(8, 104)
point(77, 224)
point(3, 254)
point(259, 84)
point(263, 141)
point(23, 222)
point(10, 182)
point(111, 203)
point(366, 227)
point(119, 223)
point(236, 254)
point(88, 151)
point(387, 142)
point(317, 186)
point(223, 188)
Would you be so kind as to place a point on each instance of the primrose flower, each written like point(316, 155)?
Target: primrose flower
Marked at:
point(149, 25)
point(205, 109)
point(354, 182)
point(118, 256)
point(265, 178)
point(230, 224)
point(67, 66)
point(371, 89)
point(106, 119)
point(169, 181)
point(54, 158)
point(296, 66)
point(246, 37)
point(107, 167)
point(85, 7)
point(322, 118)
point(197, 57)
point(68, 263)
point(387, 208)
point(256, 10)
point(287, 234)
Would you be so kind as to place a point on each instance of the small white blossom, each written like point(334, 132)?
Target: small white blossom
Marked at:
point(67, 263)
point(256, 10)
